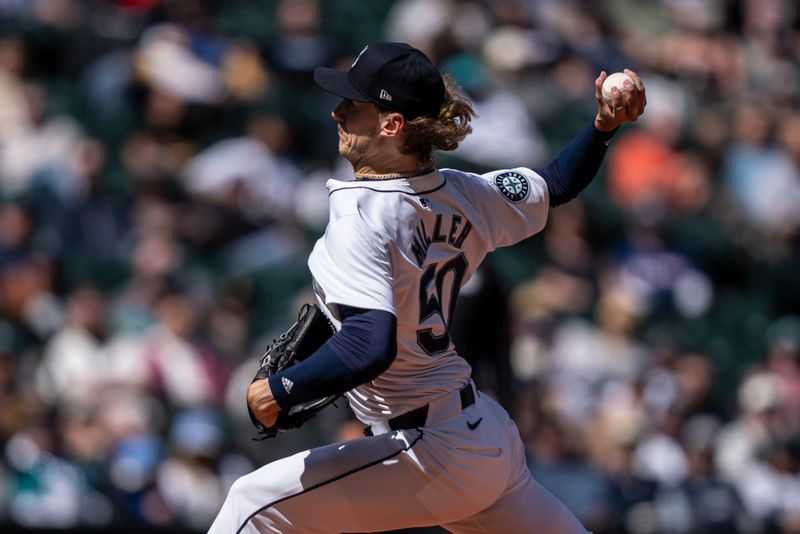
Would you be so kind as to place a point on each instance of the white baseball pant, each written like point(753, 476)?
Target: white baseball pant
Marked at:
point(468, 481)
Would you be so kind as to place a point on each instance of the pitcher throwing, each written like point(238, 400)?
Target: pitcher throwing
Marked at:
point(402, 240)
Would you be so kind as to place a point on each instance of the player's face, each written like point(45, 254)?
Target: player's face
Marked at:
point(358, 126)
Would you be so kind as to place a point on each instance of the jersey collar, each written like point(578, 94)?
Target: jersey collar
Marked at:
point(418, 185)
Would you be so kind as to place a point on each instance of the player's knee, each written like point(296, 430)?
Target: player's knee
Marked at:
point(241, 503)
point(236, 508)
point(256, 489)
point(241, 487)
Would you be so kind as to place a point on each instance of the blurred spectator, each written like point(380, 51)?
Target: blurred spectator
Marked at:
point(94, 224)
point(168, 362)
point(739, 442)
point(37, 145)
point(418, 22)
point(300, 45)
point(186, 478)
point(605, 350)
point(18, 405)
point(783, 360)
point(73, 363)
point(16, 229)
point(502, 131)
point(14, 114)
point(762, 178)
point(556, 464)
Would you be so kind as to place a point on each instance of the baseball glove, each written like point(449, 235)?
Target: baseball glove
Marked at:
point(302, 339)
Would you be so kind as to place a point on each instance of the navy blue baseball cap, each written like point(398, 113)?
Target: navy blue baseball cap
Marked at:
point(395, 76)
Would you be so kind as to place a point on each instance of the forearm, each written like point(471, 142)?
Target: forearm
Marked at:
point(574, 168)
point(364, 347)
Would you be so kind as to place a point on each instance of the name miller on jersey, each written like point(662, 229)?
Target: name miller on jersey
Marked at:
point(455, 236)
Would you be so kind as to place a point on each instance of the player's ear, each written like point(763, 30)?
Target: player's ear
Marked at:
point(392, 123)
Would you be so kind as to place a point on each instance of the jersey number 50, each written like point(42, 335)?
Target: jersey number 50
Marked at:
point(432, 305)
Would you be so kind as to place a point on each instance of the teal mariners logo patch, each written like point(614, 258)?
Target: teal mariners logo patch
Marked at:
point(513, 185)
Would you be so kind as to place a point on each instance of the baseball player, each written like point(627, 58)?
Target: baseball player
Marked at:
point(402, 240)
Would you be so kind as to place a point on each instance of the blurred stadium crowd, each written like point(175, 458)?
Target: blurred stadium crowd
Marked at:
point(162, 169)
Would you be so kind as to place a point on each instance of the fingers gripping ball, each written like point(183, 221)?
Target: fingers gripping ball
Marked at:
point(617, 80)
point(303, 338)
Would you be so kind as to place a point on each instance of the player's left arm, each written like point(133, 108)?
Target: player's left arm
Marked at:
point(364, 347)
point(574, 168)
point(355, 269)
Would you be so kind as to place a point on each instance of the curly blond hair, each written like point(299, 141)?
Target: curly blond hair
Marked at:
point(443, 132)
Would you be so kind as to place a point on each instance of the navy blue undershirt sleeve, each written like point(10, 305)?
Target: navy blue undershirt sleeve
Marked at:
point(364, 347)
point(574, 168)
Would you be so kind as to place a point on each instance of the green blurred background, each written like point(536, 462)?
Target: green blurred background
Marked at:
point(162, 181)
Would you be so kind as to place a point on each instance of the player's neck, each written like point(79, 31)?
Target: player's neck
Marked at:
point(390, 168)
point(390, 175)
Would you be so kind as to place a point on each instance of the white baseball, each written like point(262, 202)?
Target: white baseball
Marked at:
point(617, 80)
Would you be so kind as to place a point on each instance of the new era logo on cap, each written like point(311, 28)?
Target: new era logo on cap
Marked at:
point(395, 76)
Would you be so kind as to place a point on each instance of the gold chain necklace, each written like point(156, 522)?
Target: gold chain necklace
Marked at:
point(390, 175)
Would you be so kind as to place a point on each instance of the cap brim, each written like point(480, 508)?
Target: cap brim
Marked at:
point(336, 82)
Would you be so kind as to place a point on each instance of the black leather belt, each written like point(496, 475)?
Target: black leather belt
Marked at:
point(417, 418)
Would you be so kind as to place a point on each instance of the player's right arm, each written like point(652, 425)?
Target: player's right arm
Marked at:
point(573, 169)
point(520, 197)
point(516, 201)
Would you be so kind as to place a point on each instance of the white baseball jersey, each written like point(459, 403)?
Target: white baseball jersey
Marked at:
point(408, 246)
